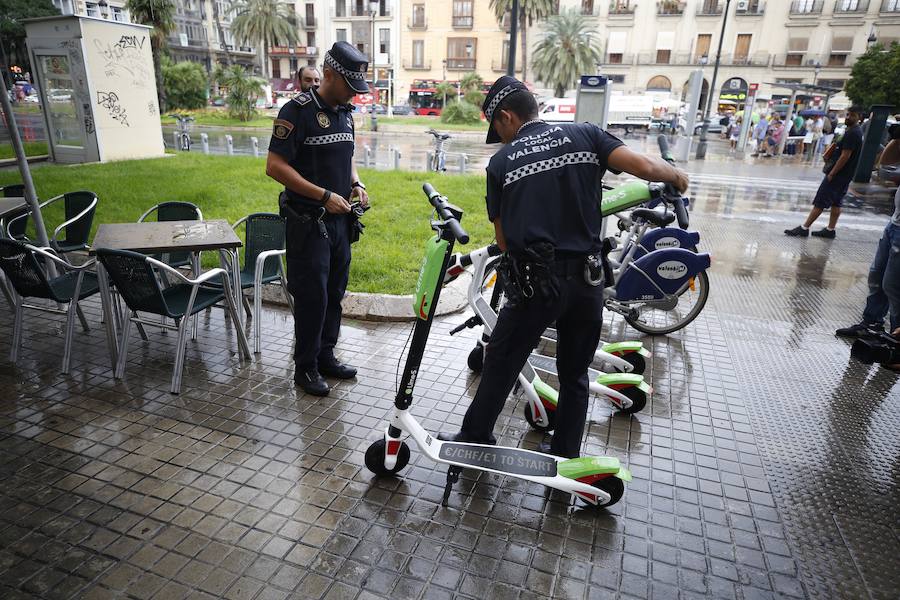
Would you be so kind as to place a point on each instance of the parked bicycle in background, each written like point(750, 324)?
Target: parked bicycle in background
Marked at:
point(184, 131)
point(439, 155)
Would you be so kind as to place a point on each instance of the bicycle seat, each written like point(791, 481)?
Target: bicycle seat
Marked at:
point(660, 217)
point(440, 136)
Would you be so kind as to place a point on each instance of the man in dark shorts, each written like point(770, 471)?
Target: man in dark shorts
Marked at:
point(833, 188)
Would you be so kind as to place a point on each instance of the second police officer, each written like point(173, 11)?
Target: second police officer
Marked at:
point(311, 154)
point(543, 197)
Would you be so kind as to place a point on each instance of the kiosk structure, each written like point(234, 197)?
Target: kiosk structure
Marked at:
point(97, 88)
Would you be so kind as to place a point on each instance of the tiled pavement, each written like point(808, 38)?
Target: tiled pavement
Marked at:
point(766, 464)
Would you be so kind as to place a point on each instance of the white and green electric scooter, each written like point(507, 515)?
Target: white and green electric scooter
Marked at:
point(597, 480)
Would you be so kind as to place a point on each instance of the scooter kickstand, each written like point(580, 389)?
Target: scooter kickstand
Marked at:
point(452, 477)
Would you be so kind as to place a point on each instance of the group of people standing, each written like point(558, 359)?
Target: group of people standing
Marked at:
point(767, 133)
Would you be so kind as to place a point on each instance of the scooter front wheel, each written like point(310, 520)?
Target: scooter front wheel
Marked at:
point(637, 362)
point(375, 458)
point(638, 400)
point(613, 486)
point(476, 358)
point(532, 421)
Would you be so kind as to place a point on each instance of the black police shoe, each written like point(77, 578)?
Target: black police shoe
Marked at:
point(459, 436)
point(797, 231)
point(337, 370)
point(311, 382)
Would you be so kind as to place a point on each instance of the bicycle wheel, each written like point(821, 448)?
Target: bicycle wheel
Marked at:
point(656, 321)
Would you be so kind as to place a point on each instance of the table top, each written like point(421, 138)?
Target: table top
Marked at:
point(166, 236)
point(9, 206)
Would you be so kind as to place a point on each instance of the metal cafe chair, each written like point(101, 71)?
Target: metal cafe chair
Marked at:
point(79, 210)
point(263, 249)
point(22, 265)
point(15, 190)
point(135, 276)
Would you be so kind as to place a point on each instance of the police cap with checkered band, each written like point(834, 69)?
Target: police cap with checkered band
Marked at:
point(351, 64)
point(502, 88)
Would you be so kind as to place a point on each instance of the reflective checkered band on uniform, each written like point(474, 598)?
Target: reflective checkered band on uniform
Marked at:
point(331, 62)
point(334, 138)
point(489, 113)
point(556, 162)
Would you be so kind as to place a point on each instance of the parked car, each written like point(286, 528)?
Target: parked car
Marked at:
point(380, 109)
point(402, 109)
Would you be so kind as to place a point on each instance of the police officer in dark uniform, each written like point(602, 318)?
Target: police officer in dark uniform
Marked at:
point(311, 154)
point(543, 196)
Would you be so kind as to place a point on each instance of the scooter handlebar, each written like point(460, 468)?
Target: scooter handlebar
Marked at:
point(443, 210)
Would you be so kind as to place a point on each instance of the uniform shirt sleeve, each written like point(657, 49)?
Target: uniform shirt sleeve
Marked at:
point(604, 143)
point(287, 132)
point(494, 190)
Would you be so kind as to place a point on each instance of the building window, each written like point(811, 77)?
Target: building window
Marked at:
point(461, 53)
point(665, 41)
point(310, 15)
point(663, 56)
point(340, 35)
point(463, 14)
point(847, 5)
point(340, 8)
point(293, 64)
point(615, 47)
point(796, 50)
point(615, 58)
point(276, 68)
point(418, 15)
point(418, 54)
point(117, 14)
point(587, 7)
point(616, 78)
point(311, 39)
point(837, 60)
point(659, 83)
point(384, 41)
point(742, 48)
point(702, 49)
point(90, 8)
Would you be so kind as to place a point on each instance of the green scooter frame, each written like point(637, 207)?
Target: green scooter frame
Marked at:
point(598, 481)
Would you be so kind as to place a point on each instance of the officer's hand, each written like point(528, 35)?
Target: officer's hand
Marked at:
point(681, 180)
point(362, 194)
point(337, 204)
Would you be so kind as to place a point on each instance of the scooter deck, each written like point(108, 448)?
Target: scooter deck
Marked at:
point(547, 364)
point(513, 461)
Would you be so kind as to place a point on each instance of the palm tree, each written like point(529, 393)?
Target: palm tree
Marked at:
point(243, 90)
point(470, 88)
point(568, 49)
point(265, 23)
point(161, 15)
point(529, 12)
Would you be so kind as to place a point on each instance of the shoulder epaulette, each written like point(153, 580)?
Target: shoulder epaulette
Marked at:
point(303, 98)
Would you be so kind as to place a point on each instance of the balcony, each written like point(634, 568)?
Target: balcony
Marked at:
point(806, 8)
point(709, 9)
point(185, 42)
point(621, 9)
point(460, 64)
point(301, 51)
point(615, 59)
point(589, 8)
point(850, 8)
point(417, 24)
point(890, 7)
point(410, 65)
point(670, 8)
point(351, 12)
point(807, 61)
point(309, 23)
point(753, 8)
point(463, 22)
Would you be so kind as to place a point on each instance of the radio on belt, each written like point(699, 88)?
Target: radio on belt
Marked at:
point(592, 100)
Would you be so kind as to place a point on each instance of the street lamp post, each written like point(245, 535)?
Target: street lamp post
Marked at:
point(701, 145)
point(818, 68)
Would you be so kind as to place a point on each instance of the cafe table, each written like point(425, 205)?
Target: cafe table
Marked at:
point(163, 237)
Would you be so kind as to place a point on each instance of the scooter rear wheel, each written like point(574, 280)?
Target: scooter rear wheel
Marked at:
point(637, 362)
point(476, 358)
point(532, 421)
point(613, 486)
point(375, 458)
point(638, 400)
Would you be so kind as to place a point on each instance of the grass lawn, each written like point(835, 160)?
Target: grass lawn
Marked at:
point(219, 118)
point(422, 123)
point(386, 259)
point(31, 149)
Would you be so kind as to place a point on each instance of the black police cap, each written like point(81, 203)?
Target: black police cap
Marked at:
point(502, 88)
point(350, 63)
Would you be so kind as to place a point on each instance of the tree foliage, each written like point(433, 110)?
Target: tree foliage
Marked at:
point(460, 112)
point(12, 31)
point(874, 78)
point(445, 90)
point(529, 12)
point(186, 84)
point(568, 49)
point(160, 14)
point(264, 23)
point(243, 89)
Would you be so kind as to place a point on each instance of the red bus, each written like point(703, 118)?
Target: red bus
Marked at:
point(425, 100)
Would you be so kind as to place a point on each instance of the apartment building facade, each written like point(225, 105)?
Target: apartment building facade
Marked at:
point(114, 9)
point(652, 47)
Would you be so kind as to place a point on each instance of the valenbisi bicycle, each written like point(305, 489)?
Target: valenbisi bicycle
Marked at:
point(184, 131)
point(439, 156)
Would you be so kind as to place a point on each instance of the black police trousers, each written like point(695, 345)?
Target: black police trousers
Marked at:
point(317, 272)
point(579, 318)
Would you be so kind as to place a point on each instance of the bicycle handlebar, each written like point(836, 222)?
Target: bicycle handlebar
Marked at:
point(443, 210)
point(663, 142)
point(670, 191)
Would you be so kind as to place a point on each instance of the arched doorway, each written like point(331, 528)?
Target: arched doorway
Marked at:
point(704, 94)
point(660, 83)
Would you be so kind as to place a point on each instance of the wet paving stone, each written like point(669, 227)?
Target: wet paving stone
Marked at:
point(765, 465)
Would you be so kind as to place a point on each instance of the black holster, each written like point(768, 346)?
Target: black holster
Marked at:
point(531, 274)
